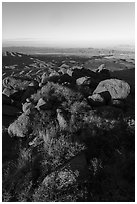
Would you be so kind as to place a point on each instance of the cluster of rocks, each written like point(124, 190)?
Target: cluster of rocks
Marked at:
point(98, 89)
point(96, 86)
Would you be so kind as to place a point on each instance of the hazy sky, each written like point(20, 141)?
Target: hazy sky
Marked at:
point(68, 24)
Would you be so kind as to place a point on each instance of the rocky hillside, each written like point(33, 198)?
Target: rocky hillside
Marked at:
point(68, 130)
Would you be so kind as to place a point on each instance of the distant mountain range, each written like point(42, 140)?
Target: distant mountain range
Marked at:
point(78, 51)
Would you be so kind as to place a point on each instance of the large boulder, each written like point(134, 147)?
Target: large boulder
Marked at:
point(118, 89)
point(10, 110)
point(6, 100)
point(20, 127)
point(18, 83)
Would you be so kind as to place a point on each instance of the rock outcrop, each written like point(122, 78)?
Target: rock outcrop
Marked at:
point(118, 89)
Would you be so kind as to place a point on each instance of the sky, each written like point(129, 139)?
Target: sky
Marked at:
point(68, 24)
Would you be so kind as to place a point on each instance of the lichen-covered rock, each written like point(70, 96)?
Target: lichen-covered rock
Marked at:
point(20, 127)
point(118, 89)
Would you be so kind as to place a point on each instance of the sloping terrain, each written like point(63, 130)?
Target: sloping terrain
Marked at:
point(68, 128)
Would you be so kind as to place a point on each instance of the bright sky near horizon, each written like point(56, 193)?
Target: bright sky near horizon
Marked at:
point(68, 24)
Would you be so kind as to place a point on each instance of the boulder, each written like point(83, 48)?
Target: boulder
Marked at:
point(27, 107)
point(10, 110)
point(41, 104)
point(96, 100)
point(20, 127)
point(69, 72)
point(100, 98)
point(73, 172)
point(8, 92)
point(80, 81)
point(6, 100)
point(118, 89)
point(18, 83)
point(54, 73)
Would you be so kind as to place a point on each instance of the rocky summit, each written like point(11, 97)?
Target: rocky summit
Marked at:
point(68, 129)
